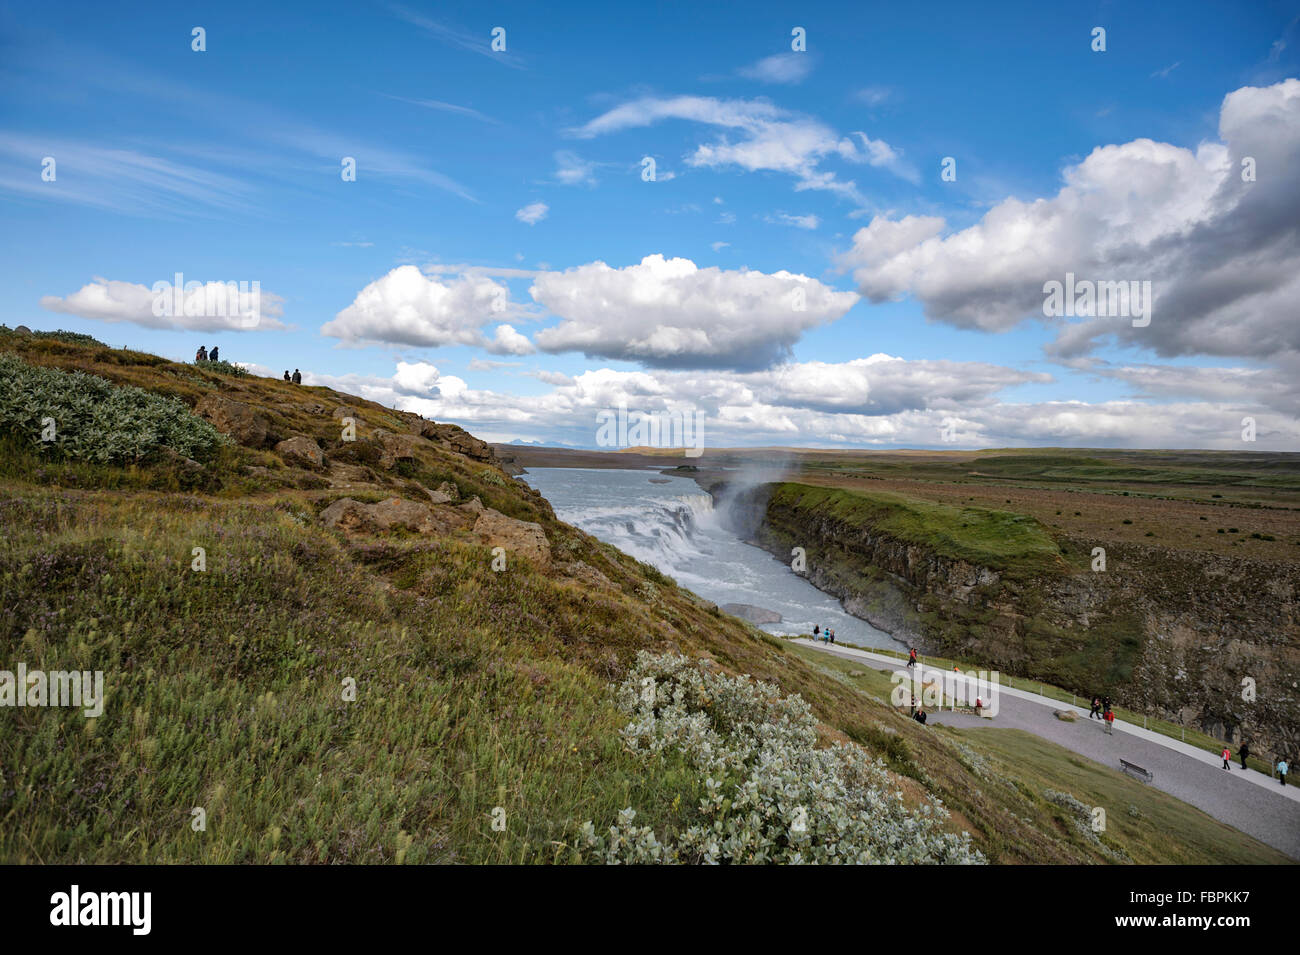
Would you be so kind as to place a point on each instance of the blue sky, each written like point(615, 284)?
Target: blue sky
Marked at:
point(491, 184)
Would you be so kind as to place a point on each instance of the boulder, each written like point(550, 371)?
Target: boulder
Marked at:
point(234, 418)
point(354, 517)
point(394, 448)
point(519, 538)
point(584, 572)
point(301, 449)
point(447, 493)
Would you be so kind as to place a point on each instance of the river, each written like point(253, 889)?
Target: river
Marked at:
point(673, 527)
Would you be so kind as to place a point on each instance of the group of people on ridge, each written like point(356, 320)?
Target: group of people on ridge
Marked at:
point(297, 376)
point(204, 355)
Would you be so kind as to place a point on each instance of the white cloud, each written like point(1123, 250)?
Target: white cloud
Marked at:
point(799, 222)
point(1222, 253)
point(874, 95)
point(407, 307)
point(881, 401)
point(719, 246)
point(770, 138)
point(207, 307)
point(669, 312)
point(572, 170)
point(533, 213)
point(781, 68)
point(507, 341)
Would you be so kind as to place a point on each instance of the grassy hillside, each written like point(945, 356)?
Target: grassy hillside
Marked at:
point(334, 694)
point(1002, 540)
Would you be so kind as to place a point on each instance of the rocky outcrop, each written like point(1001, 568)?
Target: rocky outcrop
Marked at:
point(523, 539)
point(301, 449)
point(245, 425)
point(519, 538)
point(453, 438)
point(394, 448)
point(353, 517)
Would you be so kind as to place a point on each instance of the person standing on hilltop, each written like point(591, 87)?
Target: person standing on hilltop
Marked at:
point(286, 375)
point(817, 630)
point(212, 355)
point(201, 354)
point(297, 377)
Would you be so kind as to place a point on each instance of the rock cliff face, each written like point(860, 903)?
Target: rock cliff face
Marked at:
point(1176, 634)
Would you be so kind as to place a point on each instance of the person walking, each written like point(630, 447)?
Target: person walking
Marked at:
point(201, 354)
point(1105, 704)
point(212, 355)
point(911, 657)
point(817, 630)
point(832, 633)
point(1227, 755)
point(1096, 709)
point(1281, 771)
point(297, 377)
point(1110, 722)
point(1243, 753)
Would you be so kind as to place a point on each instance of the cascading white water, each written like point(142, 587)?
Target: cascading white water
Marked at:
point(673, 527)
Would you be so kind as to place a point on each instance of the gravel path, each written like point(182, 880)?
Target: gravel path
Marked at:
point(1245, 800)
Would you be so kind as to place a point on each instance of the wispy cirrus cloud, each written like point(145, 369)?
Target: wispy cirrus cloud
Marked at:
point(453, 36)
point(767, 138)
point(440, 106)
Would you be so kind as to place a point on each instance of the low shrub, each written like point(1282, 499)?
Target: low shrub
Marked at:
point(95, 420)
point(771, 795)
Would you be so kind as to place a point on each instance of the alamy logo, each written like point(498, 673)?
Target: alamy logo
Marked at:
point(242, 300)
point(103, 908)
point(1087, 299)
point(57, 688)
point(651, 429)
point(936, 688)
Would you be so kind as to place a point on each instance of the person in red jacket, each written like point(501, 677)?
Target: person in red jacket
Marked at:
point(1110, 722)
point(1227, 755)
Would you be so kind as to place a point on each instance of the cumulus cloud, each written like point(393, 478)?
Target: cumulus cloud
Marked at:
point(532, 213)
point(204, 307)
point(669, 312)
point(1222, 252)
point(407, 307)
point(881, 401)
point(507, 341)
point(766, 137)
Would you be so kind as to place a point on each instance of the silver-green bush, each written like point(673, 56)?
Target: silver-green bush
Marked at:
point(772, 795)
point(95, 420)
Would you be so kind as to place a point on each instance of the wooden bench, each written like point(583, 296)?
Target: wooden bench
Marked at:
point(1133, 769)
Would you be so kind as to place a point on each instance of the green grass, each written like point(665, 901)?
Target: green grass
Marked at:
point(1003, 540)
